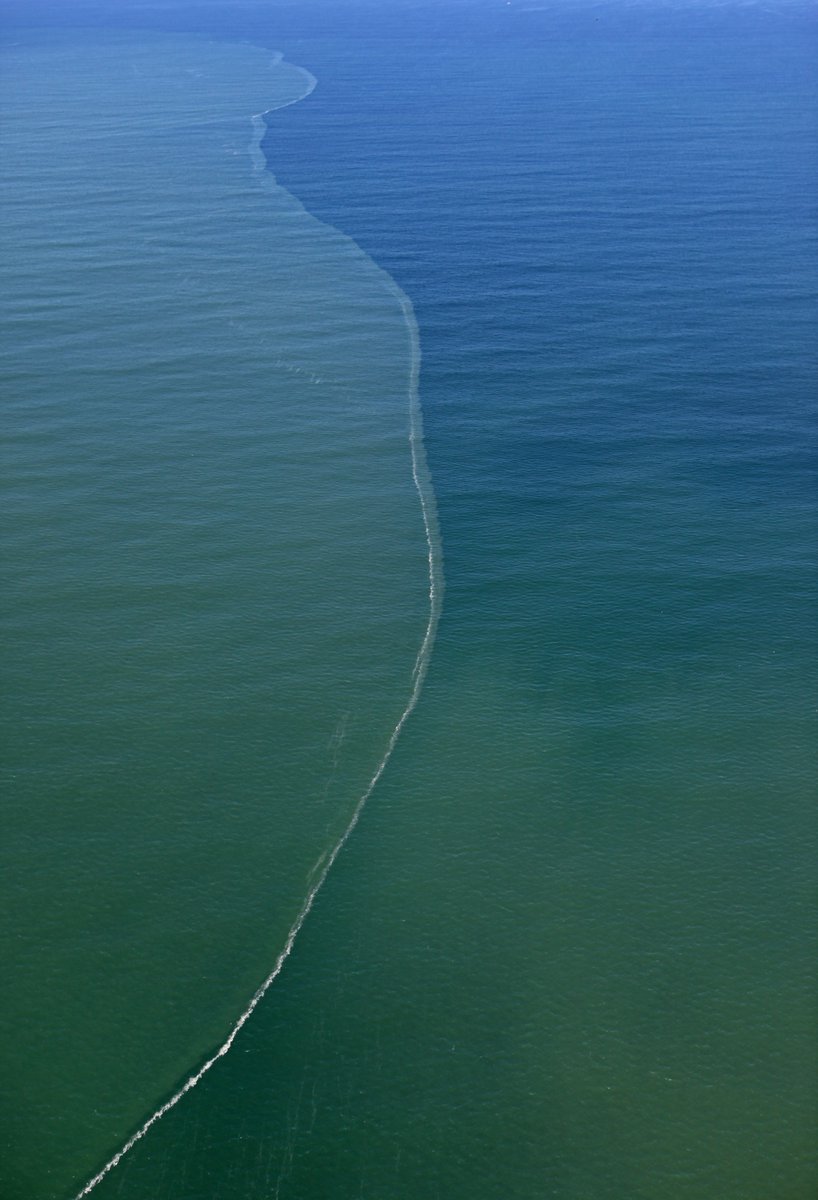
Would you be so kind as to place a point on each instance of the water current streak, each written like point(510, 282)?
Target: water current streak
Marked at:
point(422, 481)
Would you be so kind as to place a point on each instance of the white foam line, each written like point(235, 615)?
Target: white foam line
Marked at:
point(422, 483)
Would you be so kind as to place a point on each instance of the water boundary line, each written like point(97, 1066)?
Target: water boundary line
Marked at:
point(423, 486)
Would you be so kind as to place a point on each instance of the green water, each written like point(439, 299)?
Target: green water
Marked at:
point(220, 575)
point(568, 951)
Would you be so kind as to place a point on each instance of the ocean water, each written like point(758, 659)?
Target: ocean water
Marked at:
point(568, 949)
point(219, 603)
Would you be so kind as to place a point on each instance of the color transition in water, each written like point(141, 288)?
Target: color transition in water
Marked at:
point(569, 952)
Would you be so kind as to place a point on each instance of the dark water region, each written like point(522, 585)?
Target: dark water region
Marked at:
point(570, 950)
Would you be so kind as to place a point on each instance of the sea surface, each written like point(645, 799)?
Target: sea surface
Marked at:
point(321, 878)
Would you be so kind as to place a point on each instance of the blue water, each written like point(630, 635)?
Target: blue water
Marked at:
point(569, 950)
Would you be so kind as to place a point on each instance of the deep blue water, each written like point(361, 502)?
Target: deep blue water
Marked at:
point(569, 952)
point(610, 246)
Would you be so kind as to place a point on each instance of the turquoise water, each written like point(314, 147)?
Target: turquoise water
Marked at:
point(568, 950)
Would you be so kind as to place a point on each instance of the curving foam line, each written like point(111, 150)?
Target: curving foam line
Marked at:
point(422, 481)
